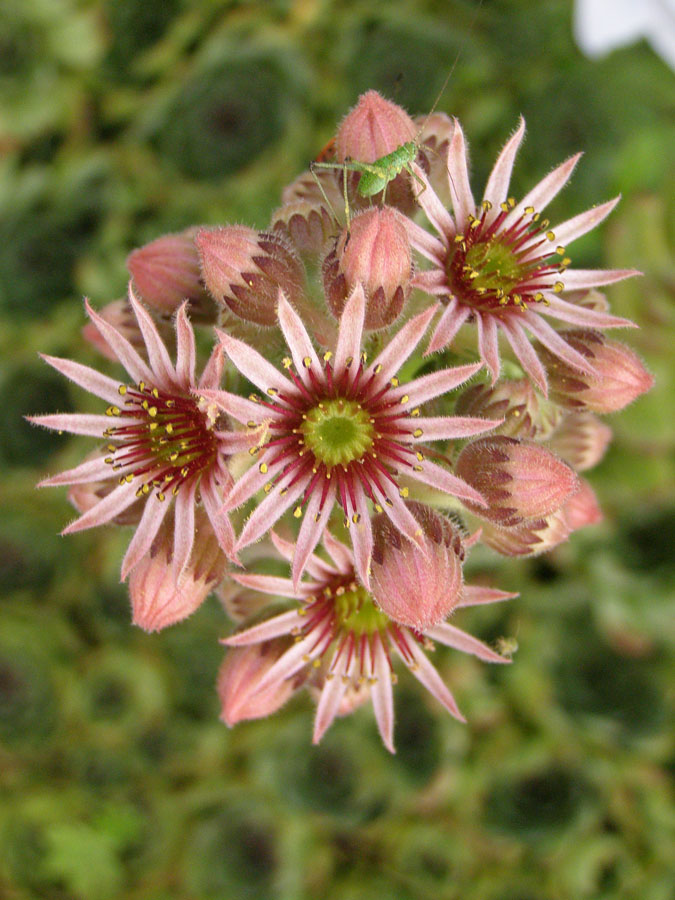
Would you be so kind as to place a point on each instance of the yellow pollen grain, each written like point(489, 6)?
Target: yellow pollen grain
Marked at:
point(550, 235)
point(122, 389)
point(287, 362)
point(297, 512)
point(417, 432)
point(262, 468)
point(404, 492)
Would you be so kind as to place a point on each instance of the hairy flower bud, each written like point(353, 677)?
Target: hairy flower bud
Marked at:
point(308, 226)
point(618, 374)
point(166, 272)
point(157, 600)
point(513, 401)
point(118, 314)
point(581, 440)
point(520, 480)
point(582, 508)
point(376, 253)
point(244, 269)
point(436, 133)
point(417, 586)
point(239, 677)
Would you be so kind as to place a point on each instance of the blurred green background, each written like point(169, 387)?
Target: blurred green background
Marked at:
point(125, 119)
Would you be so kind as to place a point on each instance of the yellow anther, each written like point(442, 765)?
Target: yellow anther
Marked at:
point(404, 492)
point(558, 287)
point(417, 432)
point(112, 411)
point(287, 361)
point(297, 512)
point(404, 398)
point(122, 389)
point(550, 235)
point(307, 361)
point(262, 468)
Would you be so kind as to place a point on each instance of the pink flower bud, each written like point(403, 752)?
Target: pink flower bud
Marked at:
point(581, 440)
point(308, 226)
point(530, 538)
point(519, 479)
point(244, 269)
point(619, 376)
point(156, 599)
point(582, 508)
point(375, 253)
point(513, 401)
point(373, 128)
point(418, 586)
point(239, 676)
point(436, 135)
point(120, 316)
point(166, 272)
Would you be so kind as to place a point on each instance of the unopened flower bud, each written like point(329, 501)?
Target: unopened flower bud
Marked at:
point(513, 401)
point(376, 254)
point(244, 269)
point(418, 586)
point(120, 316)
point(581, 440)
point(166, 272)
point(529, 538)
point(582, 508)
point(308, 226)
point(239, 677)
point(518, 479)
point(436, 135)
point(618, 375)
point(157, 600)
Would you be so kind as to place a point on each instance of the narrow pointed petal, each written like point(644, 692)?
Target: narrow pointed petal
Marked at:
point(553, 342)
point(449, 324)
point(268, 584)
point(497, 187)
point(361, 534)
point(382, 696)
point(403, 519)
point(329, 703)
point(463, 204)
point(476, 595)
point(89, 379)
point(341, 555)
point(581, 315)
point(401, 346)
point(460, 640)
point(525, 353)
point(220, 522)
point(252, 481)
point(351, 330)
point(573, 228)
point(542, 194)
point(146, 531)
point(266, 631)
point(75, 423)
point(213, 369)
point(488, 345)
point(158, 355)
point(240, 408)
point(105, 510)
point(294, 659)
point(442, 480)
point(298, 340)
point(268, 512)
point(313, 524)
point(427, 675)
point(433, 385)
point(445, 428)
point(122, 349)
point(254, 366)
point(184, 528)
point(90, 470)
point(437, 214)
point(316, 566)
point(580, 279)
point(186, 351)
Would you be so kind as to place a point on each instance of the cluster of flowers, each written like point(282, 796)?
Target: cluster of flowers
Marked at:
point(358, 463)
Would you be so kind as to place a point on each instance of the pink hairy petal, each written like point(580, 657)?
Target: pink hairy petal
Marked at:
point(433, 385)
point(442, 480)
point(542, 194)
point(382, 694)
point(158, 355)
point(242, 409)
point(463, 203)
point(579, 279)
point(269, 511)
point(213, 369)
point(400, 347)
point(268, 584)
point(220, 522)
point(460, 640)
point(361, 534)
point(440, 218)
point(581, 315)
point(573, 228)
point(316, 567)
point(329, 703)
point(298, 340)
point(186, 351)
point(249, 484)
point(123, 350)
point(90, 470)
point(290, 662)
point(524, 350)
point(553, 342)
point(351, 330)
point(341, 555)
point(497, 187)
point(278, 626)
point(403, 519)
point(443, 428)
point(146, 531)
point(75, 423)
point(116, 502)
point(427, 675)
point(476, 594)
point(255, 367)
point(454, 316)
point(313, 524)
point(184, 528)
point(488, 345)
point(89, 379)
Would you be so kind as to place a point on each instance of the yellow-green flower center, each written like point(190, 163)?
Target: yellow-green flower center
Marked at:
point(355, 612)
point(493, 267)
point(338, 432)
